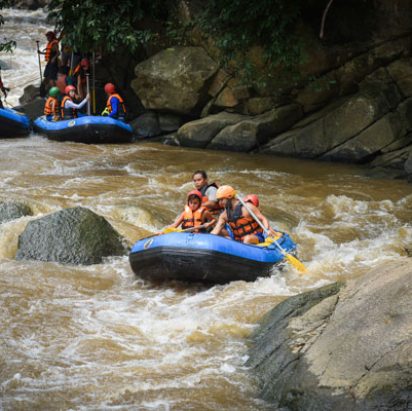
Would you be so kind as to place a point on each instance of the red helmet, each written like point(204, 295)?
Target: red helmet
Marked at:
point(68, 89)
point(109, 88)
point(252, 198)
point(85, 63)
point(196, 193)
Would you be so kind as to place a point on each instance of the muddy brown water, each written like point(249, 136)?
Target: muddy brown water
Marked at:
point(98, 337)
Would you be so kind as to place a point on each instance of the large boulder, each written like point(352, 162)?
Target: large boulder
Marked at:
point(199, 133)
point(71, 236)
point(10, 210)
point(252, 132)
point(175, 80)
point(340, 348)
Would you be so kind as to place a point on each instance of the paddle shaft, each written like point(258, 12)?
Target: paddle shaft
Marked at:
point(88, 92)
point(260, 223)
point(38, 55)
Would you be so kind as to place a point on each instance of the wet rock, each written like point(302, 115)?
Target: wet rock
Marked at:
point(258, 105)
point(71, 236)
point(340, 348)
point(175, 80)
point(169, 122)
point(408, 164)
point(13, 210)
point(33, 109)
point(200, 132)
point(401, 72)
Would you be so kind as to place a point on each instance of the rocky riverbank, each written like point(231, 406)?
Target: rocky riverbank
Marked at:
point(341, 347)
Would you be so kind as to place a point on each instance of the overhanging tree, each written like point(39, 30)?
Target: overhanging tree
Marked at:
point(6, 46)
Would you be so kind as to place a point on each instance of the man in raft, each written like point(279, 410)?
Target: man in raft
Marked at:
point(194, 214)
point(68, 107)
point(3, 89)
point(243, 226)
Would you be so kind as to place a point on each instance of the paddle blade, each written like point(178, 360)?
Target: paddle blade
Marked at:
point(168, 230)
point(296, 263)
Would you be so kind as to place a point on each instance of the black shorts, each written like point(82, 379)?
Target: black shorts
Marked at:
point(51, 70)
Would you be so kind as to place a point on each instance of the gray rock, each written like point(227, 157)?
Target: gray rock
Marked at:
point(13, 210)
point(33, 109)
point(71, 236)
point(408, 163)
point(169, 122)
point(347, 348)
point(200, 132)
point(174, 80)
point(146, 125)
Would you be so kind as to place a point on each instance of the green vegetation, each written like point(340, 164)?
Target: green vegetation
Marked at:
point(6, 46)
point(106, 25)
point(238, 25)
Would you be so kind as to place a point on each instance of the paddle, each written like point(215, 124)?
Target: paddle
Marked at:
point(168, 230)
point(291, 259)
point(38, 55)
point(88, 93)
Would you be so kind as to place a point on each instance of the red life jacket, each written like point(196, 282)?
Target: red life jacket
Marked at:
point(49, 50)
point(192, 219)
point(51, 107)
point(109, 105)
point(67, 113)
point(240, 225)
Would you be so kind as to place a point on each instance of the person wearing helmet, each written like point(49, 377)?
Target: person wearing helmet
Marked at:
point(51, 107)
point(51, 54)
point(194, 214)
point(4, 90)
point(115, 106)
point(253, 199)
point(243, 226)
point(68, 107)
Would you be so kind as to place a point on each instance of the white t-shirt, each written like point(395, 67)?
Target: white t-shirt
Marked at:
point(211, 193)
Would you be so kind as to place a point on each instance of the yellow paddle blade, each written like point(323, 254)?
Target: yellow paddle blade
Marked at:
point(168, 230)
point(296, 263)
point(269, 240)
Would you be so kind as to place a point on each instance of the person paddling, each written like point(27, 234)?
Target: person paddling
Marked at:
point(243, 226)
point(194, 214)
point(115, 107)
point(68, 107)
point(51, 107)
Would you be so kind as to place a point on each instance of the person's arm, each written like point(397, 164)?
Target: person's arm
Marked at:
point(262, 218)
point(115, 106)
point(71, 104)
point(211, 202)
point(178, 221)
point(208, 220)
point(220, 224)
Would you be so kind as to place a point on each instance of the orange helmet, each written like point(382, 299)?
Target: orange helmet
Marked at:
point(109, 88)
point(252, 198)
point(225, 192)
point(68, 89)
point(196, 193)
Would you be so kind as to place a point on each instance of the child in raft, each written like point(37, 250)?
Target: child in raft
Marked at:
point(194, 215)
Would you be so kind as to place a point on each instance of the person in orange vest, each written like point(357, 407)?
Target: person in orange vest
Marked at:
point(194, 214)
point(115, 107)
point(51, 55)
point(51, 107)
point(68, 107)
point(243, 226)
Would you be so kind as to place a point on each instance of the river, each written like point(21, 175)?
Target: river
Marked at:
point(98, 337)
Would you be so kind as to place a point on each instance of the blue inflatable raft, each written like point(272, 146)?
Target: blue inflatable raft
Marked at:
point(204, 258)
point(85, 129)
point(13, 123)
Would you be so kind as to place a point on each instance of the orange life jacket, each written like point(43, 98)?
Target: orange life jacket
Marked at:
point(192, 219)
point(109, 105)
point(240, 225)
point(49, 50)
point(67, 113)
point(51, 107)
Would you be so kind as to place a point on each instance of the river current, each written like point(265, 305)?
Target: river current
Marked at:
point(98, 337)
